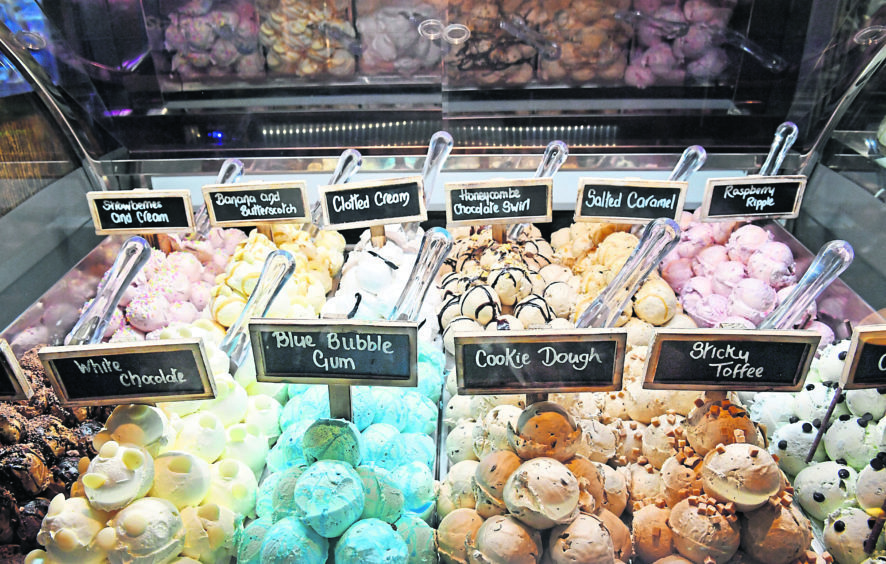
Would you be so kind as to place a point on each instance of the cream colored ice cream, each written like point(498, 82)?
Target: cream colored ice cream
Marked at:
point(615, 489)
point(620, 533)
point(456, 490)
point(119, 475)
point(741, 473)
point(703, 529)
point(210, 532)
point(681, 476)
point(147, 530)
point(542, 493)
point(502, 538)
point(490, 477)
point(181, 478)
point(584, 540)
point(660, 438)
point(201, 434)
point(69, 529)
point(233, 485)
point(492, 435)
point(142, 425)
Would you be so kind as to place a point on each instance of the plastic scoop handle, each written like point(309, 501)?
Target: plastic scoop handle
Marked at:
point(833, 258)
point(659, 237)
point(517, 27)
point(785, 135)
point(435, 247)
point(692, 159)
point(278, 268)
point(439, 148)
point(349, 162)
point(89, 329)
point(555, 155)
point(230, 172)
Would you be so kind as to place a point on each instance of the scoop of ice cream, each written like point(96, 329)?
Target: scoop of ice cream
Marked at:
point(845, 532)
point(480, 303)
point(147, 530)
point(332, 439)
point(598, 441)
point(456, 490)
point(510, 283)
point(824, 487)
point(726, 276)
point(677, 272)
point(715, 422)
point(681, 476)
point(700, 533)
point(370, 540)
point(69, 530)
point(871, 400)
point(233, 485)
point(643, 484)
point(652, 536)
point(741, 473)
point(584, 540)
point(502, 538)
point(792, 442)
point(119, 475)
point(847, 439)
point(773, 263)
point(752, 299)
point(142, 425)
point(201, 434)
point(492, 434)
point(778, 534)
point(455, 533)
point(745, 240)
point(655, 302)
point(329, 497)
point(383, 500)
point(709, 310)
point(871, 484)
point(210, 532)
point(291, 540)
point(180, 477)
point(591, 487)
point(542, 493)
point(490, 476)
point(659, 442)
point(459, 323)
point(545, 429)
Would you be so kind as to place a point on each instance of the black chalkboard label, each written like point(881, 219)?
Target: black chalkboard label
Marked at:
point(114, 373)
point(13, 384)
point(517, 362)
point(629, 201)
point(141, 211)
point(242, 205)
point(865, 365)
point(753, 197)
point(364, 204)
point(524, 200)
point(344, 352)
point(689, 359)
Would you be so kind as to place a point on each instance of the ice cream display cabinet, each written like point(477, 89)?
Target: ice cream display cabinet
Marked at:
point(538, 381)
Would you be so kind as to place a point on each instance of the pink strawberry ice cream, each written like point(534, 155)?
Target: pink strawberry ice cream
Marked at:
point(726, 276)
point(745, 240)
point(706, 261)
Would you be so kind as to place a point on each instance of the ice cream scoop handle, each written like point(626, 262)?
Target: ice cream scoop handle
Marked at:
point(828, 264)
point(435, 247)
point(659, 237)
point(785, 135)
point(555, 155)
point(768, 59)
point(693, 158)
point(90, 328)
point(278, 268)
point(349, 162)
point(438, 151)
point(230, 172)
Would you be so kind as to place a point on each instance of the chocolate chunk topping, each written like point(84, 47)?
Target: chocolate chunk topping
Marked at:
point(841, 461)
point(843, 473)
point(810, 387)
point(793, 419)
point(782, 445)
point(877, 464)
point(842, 355)
point(807, 427)
point(845, 417)
point(839, 526)
point(818, 496)
point(816, 423)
